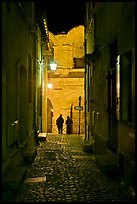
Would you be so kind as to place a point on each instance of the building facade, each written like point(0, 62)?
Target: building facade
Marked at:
point(110, 86)
point(67, 49)
point(22, 36)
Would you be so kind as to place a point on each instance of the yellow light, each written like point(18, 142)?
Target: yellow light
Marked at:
point(50, 85)
point(53, 66)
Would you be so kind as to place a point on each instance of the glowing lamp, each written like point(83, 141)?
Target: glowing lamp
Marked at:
point(53, 65)
point(50, 85)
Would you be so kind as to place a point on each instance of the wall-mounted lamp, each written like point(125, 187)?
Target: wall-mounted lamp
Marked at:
point(53, 65)
point(50, 85)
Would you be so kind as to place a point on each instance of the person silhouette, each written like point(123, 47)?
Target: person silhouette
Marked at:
point(69, 123)
point(59, 123)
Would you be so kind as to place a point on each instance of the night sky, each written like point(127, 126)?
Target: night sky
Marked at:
point(64, 15)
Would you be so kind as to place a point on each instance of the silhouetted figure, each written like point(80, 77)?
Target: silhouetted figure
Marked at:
point(59, 123)
point(69, 123)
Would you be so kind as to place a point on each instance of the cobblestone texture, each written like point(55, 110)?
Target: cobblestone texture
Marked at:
point(71, 175)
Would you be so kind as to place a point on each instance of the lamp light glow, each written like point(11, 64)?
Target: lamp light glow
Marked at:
point(53, 66)
point(50, 85)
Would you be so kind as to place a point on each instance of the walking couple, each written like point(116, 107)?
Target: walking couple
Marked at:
point(59, 123)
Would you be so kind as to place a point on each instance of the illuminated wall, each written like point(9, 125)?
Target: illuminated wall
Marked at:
point(67, 46)
point(68, 82)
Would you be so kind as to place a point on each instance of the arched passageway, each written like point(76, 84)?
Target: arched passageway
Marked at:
point(49, 116)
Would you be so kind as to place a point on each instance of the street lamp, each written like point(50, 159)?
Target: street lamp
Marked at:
point(50, 85)
point(53, 65)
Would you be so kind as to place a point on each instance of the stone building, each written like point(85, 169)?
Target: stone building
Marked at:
point(22, 36)
point(110, 86)
point(67, 49)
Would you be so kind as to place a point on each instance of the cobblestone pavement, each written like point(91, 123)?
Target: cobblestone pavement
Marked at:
point(71, 175)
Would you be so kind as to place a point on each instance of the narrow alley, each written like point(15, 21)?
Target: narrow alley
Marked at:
point(75, 62)
point(63, 172)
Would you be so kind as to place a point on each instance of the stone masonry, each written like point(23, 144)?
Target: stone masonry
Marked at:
point(63, 172)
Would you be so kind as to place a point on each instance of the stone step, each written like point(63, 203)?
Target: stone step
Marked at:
point(107, 165)
point(42, 136)
point(88, 146)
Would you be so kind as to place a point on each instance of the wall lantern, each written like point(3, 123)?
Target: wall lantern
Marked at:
point(50, 85)
point(53, 65)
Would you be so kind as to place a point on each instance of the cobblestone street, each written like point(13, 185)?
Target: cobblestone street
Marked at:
point(63, 172)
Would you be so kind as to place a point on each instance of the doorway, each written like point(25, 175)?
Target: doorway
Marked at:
point(49, 116)
point(113, 99)
point(22, 103)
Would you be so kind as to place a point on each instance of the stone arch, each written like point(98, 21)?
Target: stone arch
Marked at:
point(23, 101)
point(75, 38)
point(30, 79)
point(75, 34)
point(49, 115)
point(21, 90)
